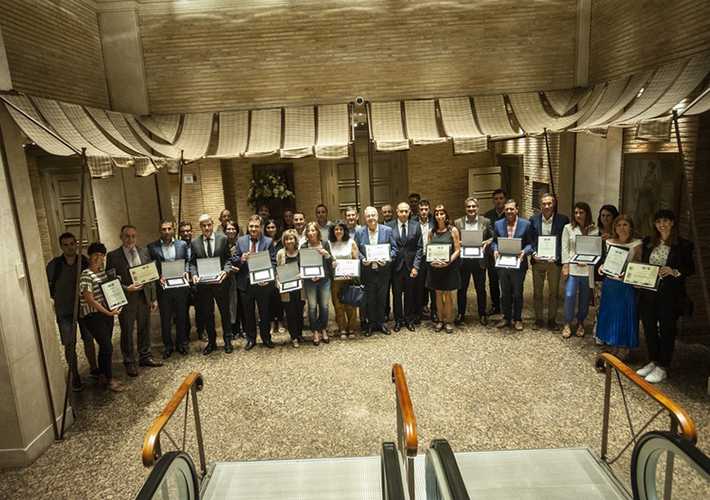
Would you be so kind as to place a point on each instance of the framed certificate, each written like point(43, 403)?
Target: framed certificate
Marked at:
point(311, 263)
point(289, 277)
point(615, 261)
point(144, 274)
point(209, 270)
point(471, 244)
point(260, 268)
point(508, 261)
point(174, 274)
point(588, 250)
point(113, 293)
point(435, 252)
point(643, 275)
point(547, 247)
point(374, 253)
point(347, 268)
point(509, 253)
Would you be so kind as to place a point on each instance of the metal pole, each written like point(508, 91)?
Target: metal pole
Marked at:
point(549, 167)
point(668, 487)
point(607, 403)
point(182, 167)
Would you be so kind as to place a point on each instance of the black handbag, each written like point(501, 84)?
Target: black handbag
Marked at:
point(352, 295)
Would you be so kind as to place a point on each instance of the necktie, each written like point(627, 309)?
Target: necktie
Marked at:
point(209, 247)
point(403, 233)
point(136, 260)
point(253, 247)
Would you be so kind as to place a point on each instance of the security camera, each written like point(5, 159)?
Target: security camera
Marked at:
point(359, 100)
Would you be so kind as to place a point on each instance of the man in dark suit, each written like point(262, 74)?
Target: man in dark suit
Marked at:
point(142, 300)
point(258, 294)
point(421, 293)
point(512, 280)
point(405, 267)
point(210, 244)
point(476, 267)
point(494, 215)
point(547, 223)
point(185, 234)
point(375, 275)
point(172, 303)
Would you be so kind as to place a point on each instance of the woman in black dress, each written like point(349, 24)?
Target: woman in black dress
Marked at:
point(443, 277)
point(660, 310)
point(275, 308)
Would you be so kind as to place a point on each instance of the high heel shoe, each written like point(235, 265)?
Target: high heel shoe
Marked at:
point(326, 339)
point(316, 338)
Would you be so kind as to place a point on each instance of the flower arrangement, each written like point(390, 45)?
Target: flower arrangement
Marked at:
point(268, 187)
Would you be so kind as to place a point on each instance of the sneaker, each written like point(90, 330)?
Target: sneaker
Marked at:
point(646, 370)
point(76, 385)
point(657, 375)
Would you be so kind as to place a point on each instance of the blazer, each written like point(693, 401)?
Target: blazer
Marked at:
point(484, 224)
point(492, 215)
point(410, 252)
point(221, 250)
point(155, 250)
point(680, 257)
point(116, 259)
point(384, 235)
point(264, 243)
point(522, 230)
point(559, 221)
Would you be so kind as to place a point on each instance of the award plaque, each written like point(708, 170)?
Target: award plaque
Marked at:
point(113, 293)
point(144, 274)
point(209, 270)
point(260, 268)
point(174, 274)
point(588, 250)
point(643, 275)
point(374, 253)
point(311, 263)
point(435, 252)
point(547, 247)
point(347, 268)
point(615, 261)
point(289, 277)
point(471, 244)
point(509, 253)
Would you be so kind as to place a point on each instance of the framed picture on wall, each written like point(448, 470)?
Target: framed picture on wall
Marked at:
point(651, 182)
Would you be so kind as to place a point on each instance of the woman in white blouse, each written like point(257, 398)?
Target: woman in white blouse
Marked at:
point(342, 246)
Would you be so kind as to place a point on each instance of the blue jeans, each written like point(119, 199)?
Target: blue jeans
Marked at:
point(577, 284)
point(317, 294)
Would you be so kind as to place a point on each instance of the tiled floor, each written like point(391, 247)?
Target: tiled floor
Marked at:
point(480, 388)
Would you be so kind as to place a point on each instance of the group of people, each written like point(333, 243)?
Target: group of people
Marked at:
point(420, 287)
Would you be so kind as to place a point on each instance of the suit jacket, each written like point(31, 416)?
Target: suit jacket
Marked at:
point(221, 250)
point(264, 243)
point(559, 221)
point(492, 215)
point(680, 257)
point(116, 259)
point(484, 224)
point(410, 252)
point(522, 230)
point(155, 250)
point(384, 235)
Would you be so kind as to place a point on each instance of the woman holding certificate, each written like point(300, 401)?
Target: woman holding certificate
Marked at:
point(579, 277)
point(443, 276)
point(661, 309)
point(275, 307)
point(94, 314)
point(235, 306)
point(605, 223)
point(292, 301)
point(618, 323)
point(343, 247)
point(318, 289)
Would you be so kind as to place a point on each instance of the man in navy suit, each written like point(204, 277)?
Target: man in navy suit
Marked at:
point(512, 280)
point(405, 269)
point(375, 275)
point(547, 223)
point(421, 293)
point(210, 244)
point(258, 294)
point(171, 302)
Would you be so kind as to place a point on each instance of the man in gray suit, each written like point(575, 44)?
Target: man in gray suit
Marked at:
point(142, 299)
point(476, 267)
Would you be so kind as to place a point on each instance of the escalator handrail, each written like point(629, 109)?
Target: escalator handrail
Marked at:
point(645, 457)
point(450, 467)
point(157, 475)
point(406, 412)
point(151, 446)
point(685, 424)
point(392, 485)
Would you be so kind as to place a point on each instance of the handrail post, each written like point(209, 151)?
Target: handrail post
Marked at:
point(668, 487)
point(605, 421)
point(198, 430)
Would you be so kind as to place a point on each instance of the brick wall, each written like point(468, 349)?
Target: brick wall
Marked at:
point(258, 54)
point(54, 50)
point(629, 36)
point(205, 195)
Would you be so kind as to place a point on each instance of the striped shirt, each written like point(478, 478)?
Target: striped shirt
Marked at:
point(91, 282)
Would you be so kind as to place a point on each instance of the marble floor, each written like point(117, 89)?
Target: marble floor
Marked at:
point(480, 388)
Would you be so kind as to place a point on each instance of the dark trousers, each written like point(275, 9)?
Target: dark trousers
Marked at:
point(100, 326)
point(660, 324)
point(494, 285)
point(403, 295)
point(135, 314)
point(192, 300)
point(172, 303)
point(511, 282)
point(468, 268)
point(257, 296)
point(377, 283)
point(294, 314)
point(276, 309)
point(207, 296)
point(421, 293)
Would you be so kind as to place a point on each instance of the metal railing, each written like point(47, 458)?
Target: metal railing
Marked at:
point(406, 425)
point(152, 450)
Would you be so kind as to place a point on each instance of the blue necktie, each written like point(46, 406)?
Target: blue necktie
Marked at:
point(403, 233)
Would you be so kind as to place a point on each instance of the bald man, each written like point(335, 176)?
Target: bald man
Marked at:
point(405, 268)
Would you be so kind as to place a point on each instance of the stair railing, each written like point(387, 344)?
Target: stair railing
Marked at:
point(406, 425)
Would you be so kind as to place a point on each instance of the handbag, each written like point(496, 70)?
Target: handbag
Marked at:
point(352, 295)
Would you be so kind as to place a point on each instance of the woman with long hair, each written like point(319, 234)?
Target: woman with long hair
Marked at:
point(443, 277)
point(579, 278)
point(292, 302)
point(618, 315)
point(275, 308)
point(236, 315)
point(661, 309)
point(318, 289)
point(605, 224)
point(287, 222)
point(342, 247)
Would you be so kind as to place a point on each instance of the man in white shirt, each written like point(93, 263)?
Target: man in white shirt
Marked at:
point(299, 224)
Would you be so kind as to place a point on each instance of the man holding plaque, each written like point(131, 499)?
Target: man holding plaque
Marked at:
point(547, 228)
point(257, 294)
point(512, 280)
point(476, 267)
point(406, 266)
point(172, 302)
point(206, 246)
point(376, 274)
point(422, 294)
point(142, 299)
point(494, 215)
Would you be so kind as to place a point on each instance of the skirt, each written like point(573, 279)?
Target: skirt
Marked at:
point(618, 322)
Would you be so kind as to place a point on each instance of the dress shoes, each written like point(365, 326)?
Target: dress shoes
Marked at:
point(519, 326)
point(269, 344)
point(484, 320)
point(397, 326)
point(250, 345)
point(384, 329)
point(228, 348)
point(417, 320)
point(209, 349)
point(150, 362)
point(369, 332)
point(493, 311)
point(538, 324)
point(182, 350)
point(410, 326)
point(552, 325)
point(434, 318)
point(132, 370)
point(168, 352)
point(503, 323)
point(459, 320)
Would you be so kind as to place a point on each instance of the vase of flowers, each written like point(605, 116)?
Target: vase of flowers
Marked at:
point(269, 189)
